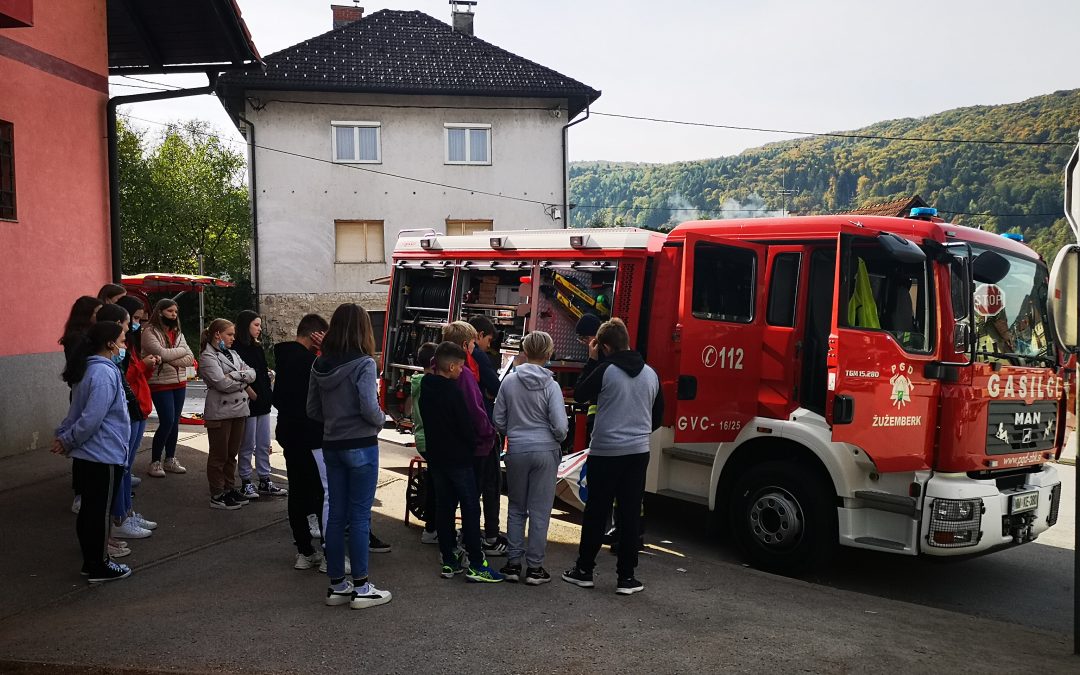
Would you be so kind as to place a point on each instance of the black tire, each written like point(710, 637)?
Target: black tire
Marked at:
point(416, 495)
point(783, 517)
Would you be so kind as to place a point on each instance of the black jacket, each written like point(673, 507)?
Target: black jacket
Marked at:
point(255, 357)
point(294, 427)
point(448, 431)
point(488, 380)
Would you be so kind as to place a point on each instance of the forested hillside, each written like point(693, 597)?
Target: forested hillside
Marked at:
point(1020, 185)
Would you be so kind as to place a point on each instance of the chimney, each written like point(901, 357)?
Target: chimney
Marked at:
point(463, 18)
point(344, 14)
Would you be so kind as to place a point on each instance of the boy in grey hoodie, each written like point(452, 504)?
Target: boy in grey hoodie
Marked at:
point(629, 408)
point(530, 411)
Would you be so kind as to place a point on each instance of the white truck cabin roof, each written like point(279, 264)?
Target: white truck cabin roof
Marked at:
point(534, 240)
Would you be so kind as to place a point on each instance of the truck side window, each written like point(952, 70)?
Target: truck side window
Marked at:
point(883, 294)
point(783, 290)
point(723, 283)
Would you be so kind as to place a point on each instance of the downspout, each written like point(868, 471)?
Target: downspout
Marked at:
point(114, 156)
point(254, 213)
point(566, 170)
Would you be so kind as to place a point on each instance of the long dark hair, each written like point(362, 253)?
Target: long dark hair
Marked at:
point(155, 316)
point(110, 291)
point(132, 305)
point(243, 327)
point(97, 337)
point(114, 313)
point(79, 319)
point(350, 331)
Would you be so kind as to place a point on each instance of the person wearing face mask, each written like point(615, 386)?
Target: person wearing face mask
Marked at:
point(227, 380)
point(257, 429)
point(94, 435)
point(163, 338)
point(127, 523)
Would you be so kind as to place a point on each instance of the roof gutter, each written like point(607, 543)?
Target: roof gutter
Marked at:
point(254, 211)
point(114, 156)
point(566, 169)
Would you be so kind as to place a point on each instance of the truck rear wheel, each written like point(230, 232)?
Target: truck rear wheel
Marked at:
point(783, 517)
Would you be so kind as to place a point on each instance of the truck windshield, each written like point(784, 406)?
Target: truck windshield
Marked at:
point(1011, 324)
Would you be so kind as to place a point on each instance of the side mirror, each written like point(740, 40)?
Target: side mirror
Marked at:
point(989, 267)
point(961, 338)
point(1064, 280)
point(900, 249)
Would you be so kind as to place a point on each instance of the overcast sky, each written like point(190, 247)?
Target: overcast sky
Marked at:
point(809, 65)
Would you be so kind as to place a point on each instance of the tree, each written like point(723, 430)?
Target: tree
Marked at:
point(182, 198)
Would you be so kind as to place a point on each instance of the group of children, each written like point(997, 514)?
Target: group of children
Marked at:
point(455, 432)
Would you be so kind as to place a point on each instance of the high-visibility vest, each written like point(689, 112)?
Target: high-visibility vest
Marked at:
point(862, 308)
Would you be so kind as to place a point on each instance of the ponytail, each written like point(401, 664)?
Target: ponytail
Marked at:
point(93, 341)
point(215, 327)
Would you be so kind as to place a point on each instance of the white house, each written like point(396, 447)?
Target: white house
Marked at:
point(391, 122)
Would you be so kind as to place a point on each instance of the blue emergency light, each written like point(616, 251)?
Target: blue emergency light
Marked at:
point(923, 212)
point(1014, 236)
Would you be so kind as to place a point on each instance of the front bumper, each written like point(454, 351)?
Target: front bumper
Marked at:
point(992, 526)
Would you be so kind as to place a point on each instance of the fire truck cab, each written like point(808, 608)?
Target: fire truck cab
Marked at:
point(875, 382)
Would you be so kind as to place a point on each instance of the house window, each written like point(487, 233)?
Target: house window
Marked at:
point(359, 241)
point(7, 171)
point(468, 226)
point(468, 143)
point(357, 142)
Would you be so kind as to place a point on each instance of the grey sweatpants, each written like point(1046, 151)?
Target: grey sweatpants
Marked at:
point(530, 478)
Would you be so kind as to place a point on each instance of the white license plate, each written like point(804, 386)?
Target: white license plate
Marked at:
point(1024, 502)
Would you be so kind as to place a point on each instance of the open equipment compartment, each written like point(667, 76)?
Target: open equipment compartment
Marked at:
point(419, 307)
point(501, 291)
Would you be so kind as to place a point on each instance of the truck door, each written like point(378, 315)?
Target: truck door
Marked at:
point(881, 339)
point(721, 317)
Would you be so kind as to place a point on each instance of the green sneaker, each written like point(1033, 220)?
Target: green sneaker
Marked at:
point(449, 570)
point(483, 574)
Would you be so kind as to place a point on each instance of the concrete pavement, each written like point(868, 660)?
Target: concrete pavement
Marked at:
point(215, 592)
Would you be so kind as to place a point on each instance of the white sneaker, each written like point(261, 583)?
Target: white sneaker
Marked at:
point(429, 537)
point(76, 505)
point(306, 562)
point(313, 526)
point(143, 522)
point(369, 596)
point(130, 530)
point(348, 566)
point(117, 552)
point(341, 597)
point(155, 470)
point(173, 466)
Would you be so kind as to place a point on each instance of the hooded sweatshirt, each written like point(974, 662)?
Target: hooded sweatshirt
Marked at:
point(343, 394)
point(97, 427)
point(294, 427)
point(474, 402)
point(530, 411)
point(629, 404)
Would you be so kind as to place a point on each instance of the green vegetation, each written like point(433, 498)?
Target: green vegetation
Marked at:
point(838, 174)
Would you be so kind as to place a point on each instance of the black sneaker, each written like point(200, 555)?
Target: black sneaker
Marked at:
point(376, 545)
point(578, 578)
point(267, 487)
point(238, 497)
point(495, 546)
point(537, 575)
point(511, 572)
point(223, 501)
point(110, 572)
point(629, 586)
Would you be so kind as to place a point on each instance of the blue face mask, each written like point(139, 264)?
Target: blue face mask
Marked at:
point(135, 325)
point(221, 345)
point(119, 358)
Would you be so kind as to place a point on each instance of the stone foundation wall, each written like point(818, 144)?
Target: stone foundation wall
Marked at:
point(282, 311)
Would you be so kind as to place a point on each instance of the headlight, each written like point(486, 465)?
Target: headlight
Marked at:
point(955, 523)
point(956, 510)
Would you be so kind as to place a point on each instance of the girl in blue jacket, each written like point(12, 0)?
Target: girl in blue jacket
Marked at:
point(95, 435)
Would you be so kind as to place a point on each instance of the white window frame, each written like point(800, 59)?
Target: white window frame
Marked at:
point(377, 126)
point(467, 126)
point(366, 223)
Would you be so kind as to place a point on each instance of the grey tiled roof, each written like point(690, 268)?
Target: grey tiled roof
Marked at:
point(401, 52)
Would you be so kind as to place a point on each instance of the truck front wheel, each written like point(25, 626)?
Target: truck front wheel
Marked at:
point(783, 517)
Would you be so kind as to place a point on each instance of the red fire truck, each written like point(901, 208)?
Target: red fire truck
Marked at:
point(882, 383)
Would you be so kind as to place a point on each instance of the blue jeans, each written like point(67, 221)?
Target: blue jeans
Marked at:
point(169, 404)
point(122, 500)
point(350, 476)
